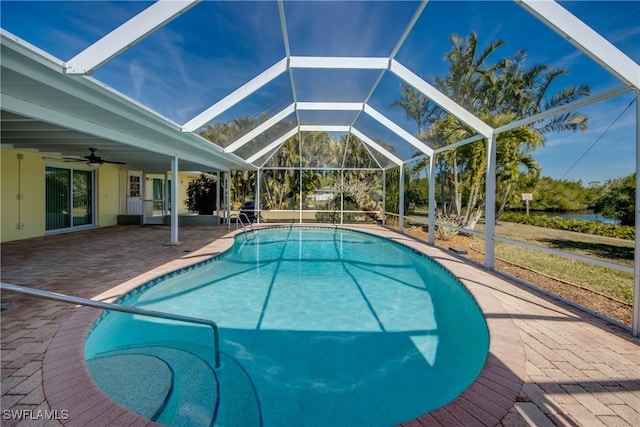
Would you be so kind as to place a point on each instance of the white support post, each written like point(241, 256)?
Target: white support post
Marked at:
point(300, 201)
point(571, 106)
point(263, 127)
point(586, 39)
point(257, 196)
point(143, 193)
point(324, 128)
point(490, 207)
point(227, 195)
point(432, 200)
point(379, 148)
point(459, 144)
point(301, 177)
point(272, 145)
point(393, 127)
point(126, 35)
point(384, 197)
point(218, 194)
point(635, 329)
point(334, 106)
point(236, 96)
point(342, 62)
point(174, 201)
point(342, 195)
point(165, 194)
point(440, 99)
point(401, 207)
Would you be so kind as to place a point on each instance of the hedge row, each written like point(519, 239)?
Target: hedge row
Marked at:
point(578, 225)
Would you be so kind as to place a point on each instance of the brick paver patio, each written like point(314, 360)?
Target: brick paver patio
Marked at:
point(549, 364)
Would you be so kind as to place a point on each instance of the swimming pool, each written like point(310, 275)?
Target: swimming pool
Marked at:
point(318, 326)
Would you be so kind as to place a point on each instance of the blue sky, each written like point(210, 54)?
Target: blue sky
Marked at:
point(215, 47)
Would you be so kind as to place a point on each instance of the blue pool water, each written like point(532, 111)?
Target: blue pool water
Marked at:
point(320, 327)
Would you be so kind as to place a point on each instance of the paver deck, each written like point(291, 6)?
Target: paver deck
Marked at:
point(548, 364)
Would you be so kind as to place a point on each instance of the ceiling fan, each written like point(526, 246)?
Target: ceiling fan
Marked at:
point(92, 159)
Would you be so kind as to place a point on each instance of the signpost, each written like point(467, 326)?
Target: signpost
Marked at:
point(526, 197)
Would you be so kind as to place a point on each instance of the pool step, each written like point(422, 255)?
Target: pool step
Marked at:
point(144, 386)
point(193, 397)
point(239, 404)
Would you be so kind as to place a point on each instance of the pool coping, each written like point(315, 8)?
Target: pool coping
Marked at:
point(68, 386)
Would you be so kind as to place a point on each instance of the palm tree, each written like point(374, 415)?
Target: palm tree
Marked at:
point(497, 93)
point(418, 107)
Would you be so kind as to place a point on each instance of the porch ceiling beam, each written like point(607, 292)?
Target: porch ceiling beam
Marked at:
point(440, 99)
point(127, 35)
point(236, 96)
point(380, 149)
point(273, 145)
point(334, 106)
point(263, 127)
point(586, 39)
point(324, 128)
point(398, 130)
point(339, 62)
point(565, 108)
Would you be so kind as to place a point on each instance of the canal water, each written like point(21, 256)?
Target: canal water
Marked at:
point(586, 215)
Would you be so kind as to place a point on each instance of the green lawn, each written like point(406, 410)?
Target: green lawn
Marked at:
point(606, 280)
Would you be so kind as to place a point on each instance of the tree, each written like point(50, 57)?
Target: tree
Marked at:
point(559, 195)
point(619, 200)
point(242, 186)
point(201, 195)
point(497, 93)
point(392, 199)
point(418, 107)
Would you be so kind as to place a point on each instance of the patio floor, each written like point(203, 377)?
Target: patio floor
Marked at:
point(549, 363)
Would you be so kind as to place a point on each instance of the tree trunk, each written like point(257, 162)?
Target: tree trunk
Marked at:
point(475, 218)
point(503, 204)
point(456, 189)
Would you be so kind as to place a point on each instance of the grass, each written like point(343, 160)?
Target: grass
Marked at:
point(608, 281)
point(619, 251)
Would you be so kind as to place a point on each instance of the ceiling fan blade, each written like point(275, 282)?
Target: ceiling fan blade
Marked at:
point(115, 163)
point(71, 159)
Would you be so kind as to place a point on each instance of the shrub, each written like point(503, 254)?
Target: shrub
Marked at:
point(201, 195)
point(442, 231)
point(577, 225)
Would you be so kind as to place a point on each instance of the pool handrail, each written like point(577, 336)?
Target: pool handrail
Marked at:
point(116, 307)
point(242, 214)
point(241, 222)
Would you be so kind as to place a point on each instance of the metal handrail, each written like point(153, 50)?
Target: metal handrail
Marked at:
point(116, 307)
point(241, 222)
point(242, 214)
point(237, 220)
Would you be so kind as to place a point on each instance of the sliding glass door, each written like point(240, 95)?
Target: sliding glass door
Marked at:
point(69, 198)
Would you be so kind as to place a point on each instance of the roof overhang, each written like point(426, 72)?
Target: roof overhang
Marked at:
point(39, 100)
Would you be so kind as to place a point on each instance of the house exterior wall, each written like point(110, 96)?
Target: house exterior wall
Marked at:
point(22, 195)
point(183, 184)
point(22, 192)
point(107, 195)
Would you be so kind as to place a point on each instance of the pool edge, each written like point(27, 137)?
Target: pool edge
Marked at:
point(67, 383)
